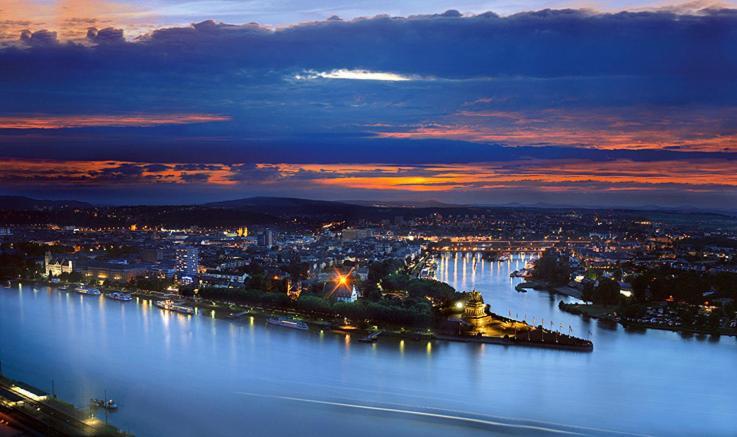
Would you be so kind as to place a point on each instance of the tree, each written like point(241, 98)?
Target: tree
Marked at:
point(553, 268)
point(607, 292)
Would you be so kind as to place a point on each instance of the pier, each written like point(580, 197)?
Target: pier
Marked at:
point(34, 412)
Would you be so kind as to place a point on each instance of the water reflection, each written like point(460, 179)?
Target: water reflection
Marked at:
point(168, 374)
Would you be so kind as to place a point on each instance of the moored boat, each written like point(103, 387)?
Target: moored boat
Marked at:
point(170, 305)
point(287, 323)
point(100, 403)
point(88, 291)
point(120, 296)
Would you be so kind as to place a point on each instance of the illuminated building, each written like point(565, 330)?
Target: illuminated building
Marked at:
point(115, 271)
point(54, 267)
point(188, 260)
point(341, 288)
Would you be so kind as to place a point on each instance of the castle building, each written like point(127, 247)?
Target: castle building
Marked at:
point(55, 267)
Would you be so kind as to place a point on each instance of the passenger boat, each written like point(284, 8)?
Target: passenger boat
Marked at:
point(119, 295)
point(88, 291)
point(170, 305)
point(287, 323)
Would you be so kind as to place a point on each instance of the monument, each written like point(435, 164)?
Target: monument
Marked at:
point(475, 314)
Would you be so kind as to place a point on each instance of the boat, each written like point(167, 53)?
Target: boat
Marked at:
point(371, 338)
point(287, 323)
point(102, 403)
point(88, 291)
point(170, 305)
point(519, 274)
point(108, 405)
point(120, 296)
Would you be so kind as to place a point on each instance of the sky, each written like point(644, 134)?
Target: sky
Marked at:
point(613, 103)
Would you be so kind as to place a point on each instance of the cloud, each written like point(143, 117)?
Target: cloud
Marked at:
point(570, 174)
point(702, 182)
point(39, 38)
point(693, 129)
point(354, 75)
point(44, 121)
point(550, 43)
point(107, 35)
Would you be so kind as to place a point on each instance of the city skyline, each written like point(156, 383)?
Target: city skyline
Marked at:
point(126, 103)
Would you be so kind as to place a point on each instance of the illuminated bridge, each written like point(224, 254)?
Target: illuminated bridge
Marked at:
point(504, 246)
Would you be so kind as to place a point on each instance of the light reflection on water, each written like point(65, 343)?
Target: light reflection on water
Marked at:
point(182, 375)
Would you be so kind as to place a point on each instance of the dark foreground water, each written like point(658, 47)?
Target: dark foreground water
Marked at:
point(180, 375)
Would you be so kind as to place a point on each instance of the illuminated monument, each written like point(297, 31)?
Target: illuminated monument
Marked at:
point(475, 314)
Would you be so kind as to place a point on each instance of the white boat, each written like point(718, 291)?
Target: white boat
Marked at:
point(88, 291)
point(119, 295)
point(170, 305)
point(287, 323)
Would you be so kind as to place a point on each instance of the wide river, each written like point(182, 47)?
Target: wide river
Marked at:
point(194, 375)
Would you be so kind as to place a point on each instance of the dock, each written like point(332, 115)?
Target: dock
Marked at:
point(34, 412)
point(240, 314)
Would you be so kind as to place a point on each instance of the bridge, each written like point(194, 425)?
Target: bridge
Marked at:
point(504, 246)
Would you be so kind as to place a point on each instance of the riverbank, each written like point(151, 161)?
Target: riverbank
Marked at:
point(608, 313)
point(31, 411)
point(232, 312)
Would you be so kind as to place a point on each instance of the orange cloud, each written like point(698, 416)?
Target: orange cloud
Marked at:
point(32, 172)
point(701, 175)
point(533, 174)
point(684, 130)
point(78, 121)
point(70, 19)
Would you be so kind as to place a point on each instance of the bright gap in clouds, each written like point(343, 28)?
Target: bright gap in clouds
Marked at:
point(354, 75)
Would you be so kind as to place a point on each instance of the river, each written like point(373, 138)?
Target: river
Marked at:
point(194, 375)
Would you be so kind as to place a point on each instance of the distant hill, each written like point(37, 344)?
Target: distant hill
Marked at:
point(272, 202)
point(404, 204)
point(18, 203)
point(291, 206)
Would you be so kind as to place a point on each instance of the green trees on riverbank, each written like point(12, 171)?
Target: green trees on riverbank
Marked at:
point(552, 267)
point(409, 312)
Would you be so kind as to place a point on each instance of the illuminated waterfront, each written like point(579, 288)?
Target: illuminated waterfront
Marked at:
point(174, 374)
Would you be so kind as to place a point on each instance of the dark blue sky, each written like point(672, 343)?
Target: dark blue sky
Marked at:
point(553, 106)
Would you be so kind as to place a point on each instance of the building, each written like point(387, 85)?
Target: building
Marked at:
point(352, 234)
point(188, 260)
point(266, 238)
point(55, 267)
point(118, 271)
point(341, 289)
